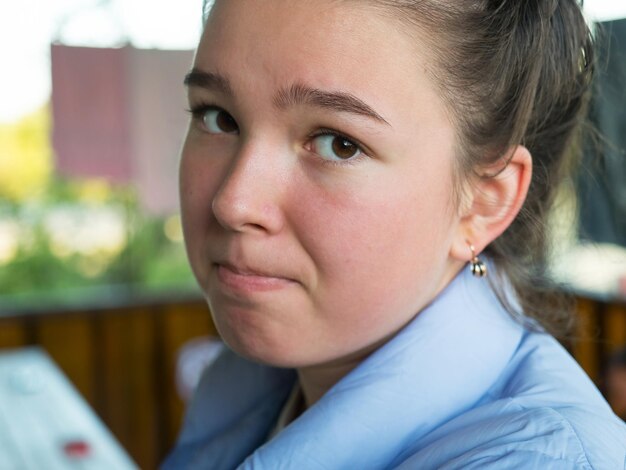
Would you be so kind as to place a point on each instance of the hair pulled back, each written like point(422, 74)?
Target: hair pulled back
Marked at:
point(512, 72)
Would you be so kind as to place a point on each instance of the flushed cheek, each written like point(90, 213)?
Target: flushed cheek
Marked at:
point(198, 184)
point(388, 248)
point(373, 256)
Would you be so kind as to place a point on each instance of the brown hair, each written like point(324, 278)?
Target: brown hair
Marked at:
point(513, 72)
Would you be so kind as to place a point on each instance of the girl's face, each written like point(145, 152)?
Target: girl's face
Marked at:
point(316, 179)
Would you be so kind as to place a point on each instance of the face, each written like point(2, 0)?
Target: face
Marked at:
point(316, 179)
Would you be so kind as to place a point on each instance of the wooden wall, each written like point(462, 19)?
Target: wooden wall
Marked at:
point(123, 360)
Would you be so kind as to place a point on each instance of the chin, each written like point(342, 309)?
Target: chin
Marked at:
point(259, 346)
point(284, 354)
point(275, 355)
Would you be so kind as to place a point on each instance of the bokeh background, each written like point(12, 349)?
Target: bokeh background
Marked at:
point(92, 113)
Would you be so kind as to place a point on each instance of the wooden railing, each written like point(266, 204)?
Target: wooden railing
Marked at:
point(122, 359)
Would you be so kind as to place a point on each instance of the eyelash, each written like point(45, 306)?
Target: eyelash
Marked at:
point(198, 110)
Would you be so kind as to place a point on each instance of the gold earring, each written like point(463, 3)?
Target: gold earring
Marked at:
point(479, 269)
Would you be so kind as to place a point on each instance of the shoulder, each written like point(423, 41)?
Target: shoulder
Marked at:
point(542, 412)
point(506, 434)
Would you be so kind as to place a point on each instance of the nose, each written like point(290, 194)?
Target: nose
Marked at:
point(249, 196)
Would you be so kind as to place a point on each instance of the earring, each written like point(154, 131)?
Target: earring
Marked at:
point(479, 269)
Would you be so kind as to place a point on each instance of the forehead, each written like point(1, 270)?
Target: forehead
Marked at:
point(279, 34)
point(347, 45)
point(302, 27)
point(334, 19)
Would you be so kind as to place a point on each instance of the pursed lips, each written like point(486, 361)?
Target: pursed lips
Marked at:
point(242, 278)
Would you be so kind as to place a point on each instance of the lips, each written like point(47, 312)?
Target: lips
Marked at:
point(244, 271)
point(242, 279)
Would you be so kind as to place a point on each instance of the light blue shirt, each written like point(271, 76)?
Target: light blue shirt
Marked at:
point(461, 386)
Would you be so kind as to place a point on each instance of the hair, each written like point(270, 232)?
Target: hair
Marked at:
point(511, 72)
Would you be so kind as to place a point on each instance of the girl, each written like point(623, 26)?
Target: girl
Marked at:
point(346, 160)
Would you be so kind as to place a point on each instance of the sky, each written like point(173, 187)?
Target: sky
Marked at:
point(27, 27)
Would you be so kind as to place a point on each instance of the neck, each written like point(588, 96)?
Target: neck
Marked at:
point(318, 379)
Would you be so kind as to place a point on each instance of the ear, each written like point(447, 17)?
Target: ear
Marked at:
point(492, 203)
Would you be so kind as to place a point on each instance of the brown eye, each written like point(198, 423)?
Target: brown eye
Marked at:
point(218, 121)
point(343, 148)
point(335, 147)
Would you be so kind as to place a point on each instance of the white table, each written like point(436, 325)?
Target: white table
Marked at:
point(45, 423)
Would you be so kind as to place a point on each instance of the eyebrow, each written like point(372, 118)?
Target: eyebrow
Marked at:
point(333, 100)
point(296, 94)
point(208, 80)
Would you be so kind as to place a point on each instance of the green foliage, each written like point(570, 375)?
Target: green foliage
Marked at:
point(39, 257)
point(64, 239)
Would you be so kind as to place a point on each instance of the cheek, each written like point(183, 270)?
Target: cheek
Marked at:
point(198, 182)
point(193, 196)
point(379, 246)
point(202, 166)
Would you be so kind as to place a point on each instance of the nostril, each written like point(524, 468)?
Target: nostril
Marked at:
point(257, 227)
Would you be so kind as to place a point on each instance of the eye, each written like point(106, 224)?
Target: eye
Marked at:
point(215, 120)
point(335, 147)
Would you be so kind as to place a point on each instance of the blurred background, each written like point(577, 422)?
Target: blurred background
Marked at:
point(92, 264)
point(91, 118)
